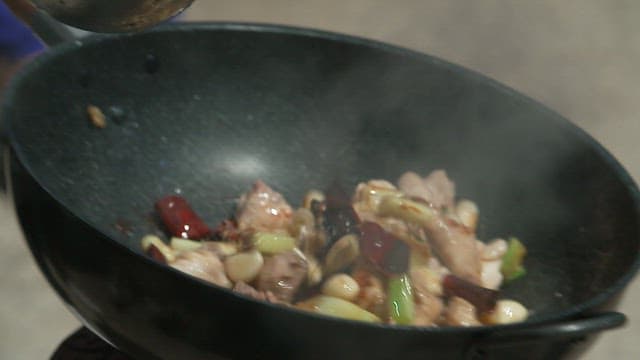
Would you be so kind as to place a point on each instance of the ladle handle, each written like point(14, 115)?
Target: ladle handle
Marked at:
point(562, 331)
point(50, 31)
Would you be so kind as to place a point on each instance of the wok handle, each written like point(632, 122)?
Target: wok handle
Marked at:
point(560, 331)
point(50, 31)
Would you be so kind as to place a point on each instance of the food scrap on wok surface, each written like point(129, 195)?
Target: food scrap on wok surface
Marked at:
point(405, 254)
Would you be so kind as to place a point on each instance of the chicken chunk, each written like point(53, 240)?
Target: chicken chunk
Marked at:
point(436, 188)
point(203, 264)
point(428, 308)
point(282, 274)
point(461, 313)
point(427, 290)
point(491, 275)
point(263, 209)
point(391, 225)
point(456, 247)
point(372, 295)
point(366, 200)
point(453, 242)
point(248, 290)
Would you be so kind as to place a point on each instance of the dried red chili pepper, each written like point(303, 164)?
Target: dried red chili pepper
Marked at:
point(339, 216)
point(482, 298)
point(383, 249)
point(180, 219)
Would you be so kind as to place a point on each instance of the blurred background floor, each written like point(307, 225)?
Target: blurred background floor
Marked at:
point(579, 58)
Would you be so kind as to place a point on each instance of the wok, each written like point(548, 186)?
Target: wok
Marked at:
point(206, 109)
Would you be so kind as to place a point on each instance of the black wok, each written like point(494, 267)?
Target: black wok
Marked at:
point(206, 109)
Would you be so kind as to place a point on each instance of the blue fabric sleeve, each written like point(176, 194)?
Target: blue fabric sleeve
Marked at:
point(16, 39)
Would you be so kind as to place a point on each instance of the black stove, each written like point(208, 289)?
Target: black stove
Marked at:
point(85, 345)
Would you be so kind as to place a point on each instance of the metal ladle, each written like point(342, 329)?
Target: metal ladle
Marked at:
point(104, 15)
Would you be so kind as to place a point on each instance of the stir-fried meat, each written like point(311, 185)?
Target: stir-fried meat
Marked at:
point(412, 185)
point(282, 274)
point(453, 242)
point(436, 188)
point(372, 296)
point(267, 251)
point(366, 200)
point(227, 229)
point(246, 289)
point(426, 280)
point(203, 264)
point(391, 225)
point(456, 247)
point(263, 209)
point(491, 275)
point(461, 313)
point(428, 308)
point(434, 265)
point(426, 294)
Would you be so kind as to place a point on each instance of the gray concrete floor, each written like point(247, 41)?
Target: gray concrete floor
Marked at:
point(579, 58)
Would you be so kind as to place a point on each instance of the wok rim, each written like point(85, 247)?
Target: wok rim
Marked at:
point(616, 167)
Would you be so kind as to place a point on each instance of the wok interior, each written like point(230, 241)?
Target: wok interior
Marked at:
point(207, 113)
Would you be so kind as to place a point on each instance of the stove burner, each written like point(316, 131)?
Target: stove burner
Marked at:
point(84, 345)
